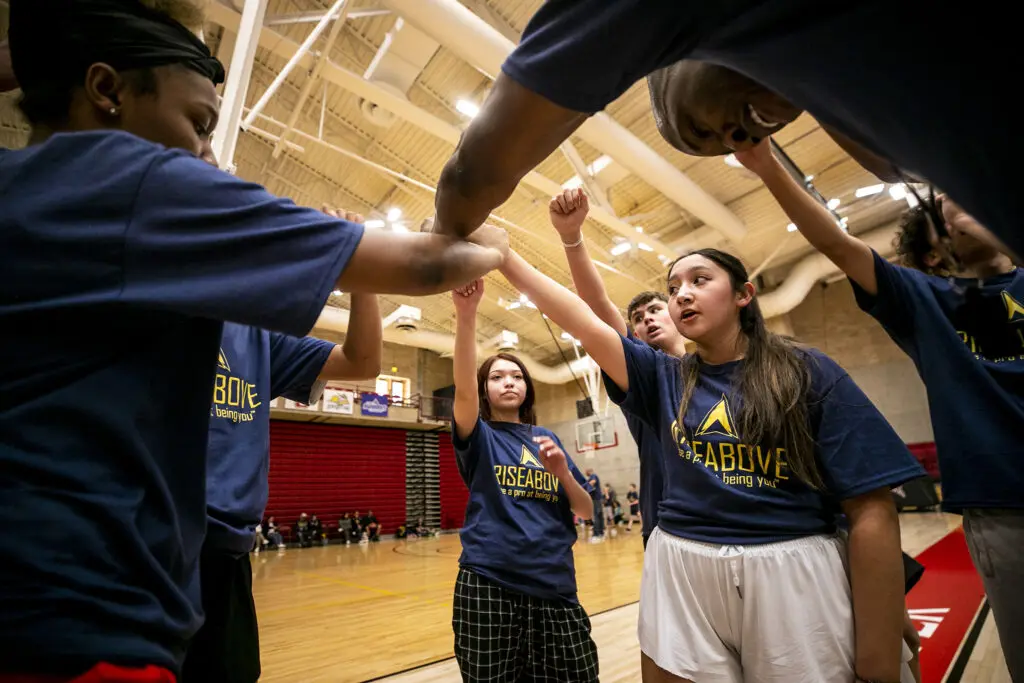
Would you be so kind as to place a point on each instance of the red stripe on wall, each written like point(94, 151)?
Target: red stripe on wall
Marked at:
point(329, 470)
point(454, 494)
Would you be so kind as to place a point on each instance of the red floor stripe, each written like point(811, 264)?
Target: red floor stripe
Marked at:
point(944, 603)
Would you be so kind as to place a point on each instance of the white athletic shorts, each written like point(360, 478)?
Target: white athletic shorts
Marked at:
point(772, 613)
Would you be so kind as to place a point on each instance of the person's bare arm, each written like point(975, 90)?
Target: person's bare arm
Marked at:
point(466, 408)
point(876, 580)
point(420, 264)
point(812, 219)
point(569, 312)
point(567, 212)
point(360, 356)
point(515, 130)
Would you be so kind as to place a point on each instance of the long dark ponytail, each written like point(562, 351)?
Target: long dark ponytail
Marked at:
point(774, 382)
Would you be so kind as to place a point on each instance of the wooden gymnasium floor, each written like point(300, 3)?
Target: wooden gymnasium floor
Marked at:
point(342, 614)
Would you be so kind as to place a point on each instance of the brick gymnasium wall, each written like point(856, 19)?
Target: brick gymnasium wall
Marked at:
point(328, 470)
point(454, 494)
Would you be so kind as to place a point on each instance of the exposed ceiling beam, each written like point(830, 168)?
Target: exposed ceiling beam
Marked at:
point(484, 47)
point(286, 48)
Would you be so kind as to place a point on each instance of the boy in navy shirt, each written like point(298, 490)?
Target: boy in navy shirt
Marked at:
point(961, 321)
point(112, 224)
point(516, 614)
point(646, 317)
point(848, 64)
point(763, 443)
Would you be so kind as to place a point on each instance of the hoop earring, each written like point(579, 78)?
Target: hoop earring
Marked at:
point(113, 111)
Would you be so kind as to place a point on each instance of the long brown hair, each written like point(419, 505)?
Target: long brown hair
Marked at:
point(773, 384)
point(526, 413)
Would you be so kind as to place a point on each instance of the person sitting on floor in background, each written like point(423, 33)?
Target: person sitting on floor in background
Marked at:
point(302, 531)
point(316, 530)
point(371, 526)
point(346, 528)
point(421, 529)
point(273, 533)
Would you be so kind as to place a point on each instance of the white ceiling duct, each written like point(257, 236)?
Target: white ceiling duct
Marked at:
point(393, 101)
point(336, 320)
point(483, 46)
point(787, 296)
point(814, 268)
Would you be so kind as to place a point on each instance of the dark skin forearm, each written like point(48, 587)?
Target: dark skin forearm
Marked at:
point(515, 130)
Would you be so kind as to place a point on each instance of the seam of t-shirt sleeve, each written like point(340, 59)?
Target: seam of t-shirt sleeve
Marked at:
point(886, 480)
point(319, 295)
point(583, 104)
point(157, 158)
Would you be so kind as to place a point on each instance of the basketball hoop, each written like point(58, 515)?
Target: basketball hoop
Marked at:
point(588, 449)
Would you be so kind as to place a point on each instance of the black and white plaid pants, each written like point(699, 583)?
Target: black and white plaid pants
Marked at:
point(504, 636)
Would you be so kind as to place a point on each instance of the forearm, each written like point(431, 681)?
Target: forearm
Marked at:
point(876, 578)
point(579, 500)
point(590, 286)
point(554, 300)
point(415, 264)
point(466, 408)
point(364, 343)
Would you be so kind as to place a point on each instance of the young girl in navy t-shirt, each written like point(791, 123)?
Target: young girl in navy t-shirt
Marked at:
point(516, 615)
point(764, 441)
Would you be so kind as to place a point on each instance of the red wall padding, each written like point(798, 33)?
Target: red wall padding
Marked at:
point(927, 456)
point(454, 494)
point(328, 470)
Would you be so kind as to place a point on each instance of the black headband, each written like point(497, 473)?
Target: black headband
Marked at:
point(57, 40)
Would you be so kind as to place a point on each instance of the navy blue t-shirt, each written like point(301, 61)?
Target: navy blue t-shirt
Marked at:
point(871, 69)
point(648, 446)
point(519, 529)
point(253, 368)
point(720, 489)
point(967, 342)
point(121, 258)
point(593, 486)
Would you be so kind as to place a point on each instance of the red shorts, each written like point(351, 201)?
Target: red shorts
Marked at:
point(101, 673)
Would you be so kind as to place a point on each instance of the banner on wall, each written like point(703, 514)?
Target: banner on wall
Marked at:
point(374, 405)
point(339, 401)
point(295, 405)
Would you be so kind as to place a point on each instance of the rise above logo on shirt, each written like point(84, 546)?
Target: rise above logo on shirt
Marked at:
point(717, 447)
point(527, 480)
point(234, 398)
point(991, 324)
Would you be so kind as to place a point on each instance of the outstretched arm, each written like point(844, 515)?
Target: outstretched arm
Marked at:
point(419, 263)
point(602, 342)
point(812, 219)
point(567, 212)
point(515, 130)
point(467, 402)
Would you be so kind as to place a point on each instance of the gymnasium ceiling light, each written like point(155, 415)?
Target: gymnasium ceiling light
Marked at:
point(620, 248)
point(374, 223)
point(834, 203)
point(394, 213)
point(791, 227)
point(731, 160)
point(869, 190)
point(467, 108)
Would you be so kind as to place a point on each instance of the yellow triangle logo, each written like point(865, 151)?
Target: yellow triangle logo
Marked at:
point(717, 421)
point(1014, 310)
point(530, 459)
point(222, 361)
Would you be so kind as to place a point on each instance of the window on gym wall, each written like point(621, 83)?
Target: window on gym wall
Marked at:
point(395, 387)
